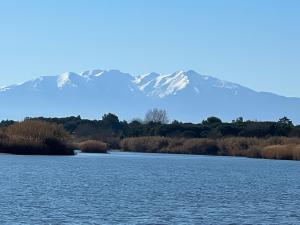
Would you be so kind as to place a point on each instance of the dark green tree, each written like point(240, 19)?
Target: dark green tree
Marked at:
point(110, 121)
point(286, 121)
point(212, 121)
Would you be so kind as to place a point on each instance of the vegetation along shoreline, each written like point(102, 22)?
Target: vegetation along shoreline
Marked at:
point(61, 136)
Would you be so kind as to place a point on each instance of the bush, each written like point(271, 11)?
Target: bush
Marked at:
point(240, 146)
point(144, 144)
point(33, 137)
point(112, 142)
point(170, 145)
point(286, 152)
point(201, 146)
point(93, 146)
point(271, 148)
point(175, 146)
point(296, 152)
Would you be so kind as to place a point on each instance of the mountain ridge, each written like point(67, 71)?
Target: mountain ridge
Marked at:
point(186, 95)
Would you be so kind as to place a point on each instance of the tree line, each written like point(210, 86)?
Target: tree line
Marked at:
point(156, 123)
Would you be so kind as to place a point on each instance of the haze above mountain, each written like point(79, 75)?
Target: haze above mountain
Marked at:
point(186, 95)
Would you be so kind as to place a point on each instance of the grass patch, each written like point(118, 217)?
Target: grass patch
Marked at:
point(269, 148)
point(33, 137)
point(93, 146)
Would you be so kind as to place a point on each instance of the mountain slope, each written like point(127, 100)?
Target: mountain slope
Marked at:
point(186, 95)
point(87, 94)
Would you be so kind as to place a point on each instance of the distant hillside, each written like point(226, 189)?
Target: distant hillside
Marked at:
point(186, 95)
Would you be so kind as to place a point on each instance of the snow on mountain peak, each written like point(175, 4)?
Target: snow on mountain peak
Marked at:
point(151, 84)
point(4, 88)
point(65, 79)
point(147, 76)
point(145, 80)
point(186, 95)
point(90, 73)
point(170, 84)
point(162, 85)
point(225, 84)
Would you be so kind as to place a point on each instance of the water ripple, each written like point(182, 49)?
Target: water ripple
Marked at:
point(124, 188)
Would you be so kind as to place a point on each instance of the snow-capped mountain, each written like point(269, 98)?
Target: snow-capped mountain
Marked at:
point(186, 95)
point(159, 85)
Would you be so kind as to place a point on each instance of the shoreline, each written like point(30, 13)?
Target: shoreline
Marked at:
point(149, 154)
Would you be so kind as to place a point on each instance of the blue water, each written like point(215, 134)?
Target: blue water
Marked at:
point(136, 188)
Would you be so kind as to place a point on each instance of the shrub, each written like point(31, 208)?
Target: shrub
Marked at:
point(35, 137)
point(287, 152)
point(112, 142)
point(144, 144)
point(296, 152)
point(271, 148)
point(197, 146)
point(282, 141)
point(201, 146)
point(239, 146)
point(93, 146)
point(170, 145)
point(175, 146)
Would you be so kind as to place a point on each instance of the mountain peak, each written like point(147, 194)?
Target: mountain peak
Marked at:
point(186, 95)
point(145, 77)
point(66, 79)
point(162, 85)
point(90, 73)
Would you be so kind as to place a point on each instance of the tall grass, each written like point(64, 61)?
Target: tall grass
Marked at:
point(170, 145)
point(35, 137)
point(271, 148)
point(241, 146)
point(287, 152)
point(192, 146)
point(144, 144)
point(93, 146)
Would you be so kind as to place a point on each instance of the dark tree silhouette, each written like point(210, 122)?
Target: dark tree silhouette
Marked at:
point(211, 121)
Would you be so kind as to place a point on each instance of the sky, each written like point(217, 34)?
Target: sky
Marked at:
point(255, 43)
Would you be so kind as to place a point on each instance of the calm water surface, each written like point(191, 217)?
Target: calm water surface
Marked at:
point(135, 188)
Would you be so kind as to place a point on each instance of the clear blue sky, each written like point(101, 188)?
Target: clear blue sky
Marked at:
point(252, 42)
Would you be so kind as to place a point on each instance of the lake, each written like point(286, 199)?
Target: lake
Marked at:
point(137, 188)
